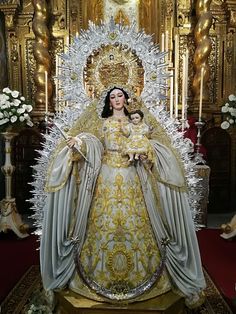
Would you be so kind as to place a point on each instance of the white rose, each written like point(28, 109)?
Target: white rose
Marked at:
point(26, 115)
point(225, 125)
point(233, 112)
point(20, 110)
point(15, 94)
point(3, 99)
point(22, 118)
point(13, 119)
point(231, 121)
point(232, 97)
point(10, 114)
point(6, 114)
point(3, 121)
point(29, 108)
point(16, 102)
point(224, 109)
point(7, 104)
point(6, 90)
point(29, 123)
point(22, 98)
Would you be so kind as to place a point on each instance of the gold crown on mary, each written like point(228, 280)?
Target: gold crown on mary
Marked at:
point(115, 65)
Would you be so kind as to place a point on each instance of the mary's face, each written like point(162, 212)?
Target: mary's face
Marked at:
point(117, 99)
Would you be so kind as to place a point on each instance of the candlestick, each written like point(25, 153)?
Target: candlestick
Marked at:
point(176, 97)
point(46, 91)
point(167, 41)
point(198, 158)
point(171, 93)
point(201, 92)
point(186, 78)
point(56, 83)
point(162, 42)
point(176, 75)
point(183, 88)
point(67, 43)
point(10, 219)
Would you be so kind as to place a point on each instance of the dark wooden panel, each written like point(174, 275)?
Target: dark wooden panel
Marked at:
point(24, 155)
point(218, 145)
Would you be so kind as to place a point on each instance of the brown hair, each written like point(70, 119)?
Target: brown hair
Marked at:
point(136, 111)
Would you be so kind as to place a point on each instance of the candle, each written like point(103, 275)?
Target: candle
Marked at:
point(186, 75)
point(46, 92)
point(167, 41)
point(176, 74)
point(171, 93)
point(201, 92)
point(162, 42)
point(176, 98)
point(67, 43)
point(183, 87)
point(56, 84)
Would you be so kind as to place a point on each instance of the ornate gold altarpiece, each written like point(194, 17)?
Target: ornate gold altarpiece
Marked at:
point(32, 32)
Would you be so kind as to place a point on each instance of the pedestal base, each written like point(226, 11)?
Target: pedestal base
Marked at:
point(70, 303)
point(11, 220)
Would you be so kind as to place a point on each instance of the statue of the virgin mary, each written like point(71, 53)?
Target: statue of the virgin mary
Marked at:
point(114, 229)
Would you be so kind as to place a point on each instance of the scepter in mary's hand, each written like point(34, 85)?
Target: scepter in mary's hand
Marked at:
point(66, 137)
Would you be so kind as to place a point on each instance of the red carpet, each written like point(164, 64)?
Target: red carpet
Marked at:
point(17, 255)
point(219, 259)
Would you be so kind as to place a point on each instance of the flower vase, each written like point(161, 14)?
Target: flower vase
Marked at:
point(10, 218)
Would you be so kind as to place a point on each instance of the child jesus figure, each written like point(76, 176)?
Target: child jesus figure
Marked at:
point(137, 142)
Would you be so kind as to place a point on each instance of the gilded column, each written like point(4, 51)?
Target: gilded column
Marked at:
point(41, 54)
point(3, 56)
point(203, 47)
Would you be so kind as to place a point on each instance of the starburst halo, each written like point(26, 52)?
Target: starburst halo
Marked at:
point(138, 54)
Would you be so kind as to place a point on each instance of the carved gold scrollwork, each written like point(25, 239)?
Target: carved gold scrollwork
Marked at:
point(9, 20)
point(41, 54)
point(203, 49)
point(233, 18)
point(3, 58)
point(231, 10)
point(9, 8)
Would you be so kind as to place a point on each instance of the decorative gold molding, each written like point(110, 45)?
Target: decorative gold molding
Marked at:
point(9, 11)
point(203, 48)
point(231, 8)
point(3, 57)
point(41, 54)
point(150, 18)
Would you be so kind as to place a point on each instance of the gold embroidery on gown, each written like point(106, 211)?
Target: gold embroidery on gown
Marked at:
point(120, 248)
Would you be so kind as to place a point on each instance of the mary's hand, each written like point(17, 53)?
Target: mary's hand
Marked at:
point(72, 141)
point(143, 157)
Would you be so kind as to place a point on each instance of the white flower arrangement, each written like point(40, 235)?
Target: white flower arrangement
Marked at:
point(14, 111)
point(229, 112)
